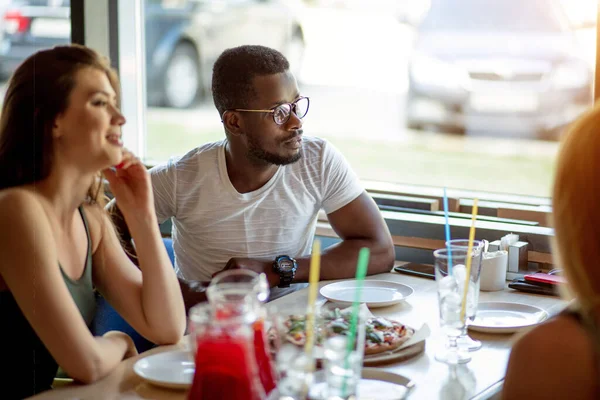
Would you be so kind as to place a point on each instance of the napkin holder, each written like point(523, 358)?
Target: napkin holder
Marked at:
point(517, 257)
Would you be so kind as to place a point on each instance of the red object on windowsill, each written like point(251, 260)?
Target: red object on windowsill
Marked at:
point(545, 278)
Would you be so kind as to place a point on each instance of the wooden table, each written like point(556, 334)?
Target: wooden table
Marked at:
point(480, 378)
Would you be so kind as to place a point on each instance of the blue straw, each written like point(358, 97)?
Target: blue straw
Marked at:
point(447, 232)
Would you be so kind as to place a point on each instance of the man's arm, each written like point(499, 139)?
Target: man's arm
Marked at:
point(359, 224)
point(193, 292)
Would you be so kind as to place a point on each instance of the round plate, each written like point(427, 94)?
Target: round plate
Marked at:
point(171, 369)
point(387, 385)
point(499, 317)
point(375, 293)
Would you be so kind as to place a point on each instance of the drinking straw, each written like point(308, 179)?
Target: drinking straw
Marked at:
point(313, 279)
point(469, 250)
point(361, 272)
point(447, 223)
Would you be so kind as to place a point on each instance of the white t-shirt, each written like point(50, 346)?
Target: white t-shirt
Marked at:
point(212, 222)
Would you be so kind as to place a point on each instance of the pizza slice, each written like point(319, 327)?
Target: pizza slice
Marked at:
point(383, 334)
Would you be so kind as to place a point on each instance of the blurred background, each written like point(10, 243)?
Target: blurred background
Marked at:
point(469, 94)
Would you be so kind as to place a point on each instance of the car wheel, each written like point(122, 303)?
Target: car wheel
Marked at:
point(414, 125)
point(182, 78)
point(453, 129)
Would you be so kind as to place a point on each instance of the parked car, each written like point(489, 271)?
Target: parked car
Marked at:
point(183, 38)
point(497, 65)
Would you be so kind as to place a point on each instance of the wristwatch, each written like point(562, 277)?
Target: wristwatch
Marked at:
point(286, 267)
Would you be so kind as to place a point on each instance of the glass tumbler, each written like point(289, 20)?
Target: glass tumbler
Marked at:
point(453, 299)
point(464, 340)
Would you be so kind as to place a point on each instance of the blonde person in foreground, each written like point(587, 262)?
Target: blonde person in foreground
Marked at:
point(60, 128)
point(560, 359)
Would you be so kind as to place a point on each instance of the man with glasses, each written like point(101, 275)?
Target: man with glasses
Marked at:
point(251, 200)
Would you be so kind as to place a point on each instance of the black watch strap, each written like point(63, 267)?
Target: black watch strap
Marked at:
point(286, 279)
point(287, 273)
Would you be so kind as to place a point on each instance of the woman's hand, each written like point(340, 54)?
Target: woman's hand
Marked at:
point(130, 183)
point(123, 337)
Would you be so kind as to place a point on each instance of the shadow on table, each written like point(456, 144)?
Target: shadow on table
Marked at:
point(460, 383)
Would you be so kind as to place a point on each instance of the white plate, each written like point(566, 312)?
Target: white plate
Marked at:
point(171, 369)
point(387, 385)
point(499, 317)
point(375, 293)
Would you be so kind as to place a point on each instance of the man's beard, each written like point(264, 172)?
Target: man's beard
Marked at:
point(256, 153)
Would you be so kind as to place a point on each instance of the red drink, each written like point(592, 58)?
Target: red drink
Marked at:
point(223, 370)
point(263, 360)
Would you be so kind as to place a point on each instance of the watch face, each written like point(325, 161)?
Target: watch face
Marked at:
point(286, 265)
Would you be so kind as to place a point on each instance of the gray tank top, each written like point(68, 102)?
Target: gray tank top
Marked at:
point(27, 367)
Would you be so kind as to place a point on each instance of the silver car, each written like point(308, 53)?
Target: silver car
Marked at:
point(501, 66)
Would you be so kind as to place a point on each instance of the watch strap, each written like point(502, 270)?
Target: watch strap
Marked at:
point(285, 277)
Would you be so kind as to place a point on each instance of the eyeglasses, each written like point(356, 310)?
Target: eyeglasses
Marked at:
point(282, 112)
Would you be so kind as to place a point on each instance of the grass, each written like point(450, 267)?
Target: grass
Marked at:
point(165, 140)
point(416, 164)
point(417, 161)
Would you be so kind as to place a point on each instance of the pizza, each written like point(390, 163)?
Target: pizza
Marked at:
point(295, 328)
point(381, 334)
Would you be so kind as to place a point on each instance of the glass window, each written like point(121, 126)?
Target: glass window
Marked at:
point(27, 26)
point(500, 16)
point(467, 94)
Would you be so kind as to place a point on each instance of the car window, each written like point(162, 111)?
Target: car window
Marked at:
point(494, 15)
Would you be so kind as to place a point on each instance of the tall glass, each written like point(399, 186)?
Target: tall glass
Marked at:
point(225, 364)
point(464, 340)
point(451, 280)
point(342, 368)
point(240, 294)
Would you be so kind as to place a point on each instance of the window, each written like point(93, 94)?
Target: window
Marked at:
point(453, 93)
point(27, 26)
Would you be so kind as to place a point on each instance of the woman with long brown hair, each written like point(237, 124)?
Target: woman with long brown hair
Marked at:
point(561, 358)
point(60, 129)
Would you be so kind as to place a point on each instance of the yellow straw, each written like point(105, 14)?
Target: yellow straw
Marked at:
point(469, 250)
point(313, 279)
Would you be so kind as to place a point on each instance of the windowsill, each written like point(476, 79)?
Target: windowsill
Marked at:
point(432, 191)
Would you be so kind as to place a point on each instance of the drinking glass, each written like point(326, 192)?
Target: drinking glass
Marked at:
point(342, 367)
point(294, 366)
point(451, 296)
point(464, 340)
point(225, 362)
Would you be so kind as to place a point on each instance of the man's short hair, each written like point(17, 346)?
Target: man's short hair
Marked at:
point(234, 72)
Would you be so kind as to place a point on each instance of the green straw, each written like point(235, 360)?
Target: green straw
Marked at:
point(361, 272)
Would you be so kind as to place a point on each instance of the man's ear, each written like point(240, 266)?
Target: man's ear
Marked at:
point(233, 123)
